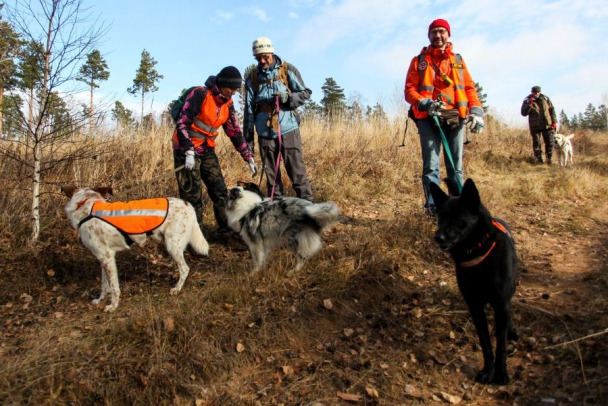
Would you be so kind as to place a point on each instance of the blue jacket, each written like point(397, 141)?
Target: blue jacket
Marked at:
point(288, 119)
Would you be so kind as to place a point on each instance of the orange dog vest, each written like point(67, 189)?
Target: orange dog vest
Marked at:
point(134, 217)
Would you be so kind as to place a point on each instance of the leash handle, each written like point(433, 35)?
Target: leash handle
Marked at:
point(448, 152)
point(276, 167)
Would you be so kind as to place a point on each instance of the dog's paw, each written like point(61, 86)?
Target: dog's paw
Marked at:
point(174, 291)
point(501, 378)
point(486, 375)
point(96, 301)
point(110, 308)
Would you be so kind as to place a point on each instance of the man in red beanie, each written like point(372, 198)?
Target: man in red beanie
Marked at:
point(437, 70)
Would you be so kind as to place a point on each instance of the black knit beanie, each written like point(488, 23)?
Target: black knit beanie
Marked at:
point(229, 77)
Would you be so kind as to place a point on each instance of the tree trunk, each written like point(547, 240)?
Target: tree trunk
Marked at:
point(91, 114)
point(36, 195)
point(142, 107)
point(1, 97)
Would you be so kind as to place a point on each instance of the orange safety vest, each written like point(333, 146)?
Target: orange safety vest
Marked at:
point(134, 217)
point(427, 78)
point(207, 123)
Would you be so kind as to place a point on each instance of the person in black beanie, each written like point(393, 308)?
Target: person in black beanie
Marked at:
point(205, 110)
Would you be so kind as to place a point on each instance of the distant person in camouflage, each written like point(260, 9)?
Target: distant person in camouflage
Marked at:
point(205, 110)
point(542, 122)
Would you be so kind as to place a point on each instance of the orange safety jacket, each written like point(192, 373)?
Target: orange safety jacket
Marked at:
point(134, 217)
point(451, 67)
point(205, 126)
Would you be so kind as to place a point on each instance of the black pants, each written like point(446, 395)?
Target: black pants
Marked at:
point(548, 138)
point(206, 170)
point(293, 159)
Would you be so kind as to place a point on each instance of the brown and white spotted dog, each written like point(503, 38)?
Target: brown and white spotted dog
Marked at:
point(174, 224)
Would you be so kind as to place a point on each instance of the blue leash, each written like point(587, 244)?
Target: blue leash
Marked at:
point(445, 142)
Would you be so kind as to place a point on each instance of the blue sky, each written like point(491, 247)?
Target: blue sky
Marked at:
point(365, 46)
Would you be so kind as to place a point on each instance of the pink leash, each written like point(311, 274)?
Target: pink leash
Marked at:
point(276, 167)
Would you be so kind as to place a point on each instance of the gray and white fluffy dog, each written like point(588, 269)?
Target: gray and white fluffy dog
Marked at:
point(289, 222)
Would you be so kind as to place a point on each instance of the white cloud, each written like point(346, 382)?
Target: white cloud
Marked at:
point(225, 15)
point(258, 13)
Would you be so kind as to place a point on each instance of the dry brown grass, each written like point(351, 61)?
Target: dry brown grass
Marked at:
point(397, 327)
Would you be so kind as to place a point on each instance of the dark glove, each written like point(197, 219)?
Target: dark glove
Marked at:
point(531, 100)
point(432, 107)
point(283, 96)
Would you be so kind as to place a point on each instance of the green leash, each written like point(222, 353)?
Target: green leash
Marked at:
point(445, 141)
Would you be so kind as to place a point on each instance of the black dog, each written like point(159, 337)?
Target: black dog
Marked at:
point(486, 262)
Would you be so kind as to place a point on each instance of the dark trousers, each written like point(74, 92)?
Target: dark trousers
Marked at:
point(293, 159)
point(548, 139)
point(206, 171)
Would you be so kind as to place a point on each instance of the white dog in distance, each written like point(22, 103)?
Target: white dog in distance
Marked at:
point(106, 228)
point(564, 148)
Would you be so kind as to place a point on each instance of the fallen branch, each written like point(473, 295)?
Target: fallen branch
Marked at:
point(578, 339)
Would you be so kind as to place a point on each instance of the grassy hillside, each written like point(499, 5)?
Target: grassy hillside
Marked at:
point(374, 318)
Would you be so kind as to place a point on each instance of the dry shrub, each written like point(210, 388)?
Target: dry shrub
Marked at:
point(376, 308)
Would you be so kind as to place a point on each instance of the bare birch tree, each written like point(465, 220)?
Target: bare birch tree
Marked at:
point(67, 31)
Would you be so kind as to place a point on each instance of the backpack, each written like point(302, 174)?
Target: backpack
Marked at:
point(282, 76)
point(178, 104)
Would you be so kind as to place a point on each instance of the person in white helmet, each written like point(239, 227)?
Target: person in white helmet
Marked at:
point(274, 78)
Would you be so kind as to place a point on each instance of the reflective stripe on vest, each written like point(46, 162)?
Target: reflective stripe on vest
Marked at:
point(205, 126)
point(426, 87)
point(134, 217)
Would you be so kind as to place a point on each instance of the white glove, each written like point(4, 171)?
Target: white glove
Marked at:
point(189, 160)
point(475, 123)
point(253, 167)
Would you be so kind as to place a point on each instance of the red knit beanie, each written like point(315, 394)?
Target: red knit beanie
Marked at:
point(440, 23)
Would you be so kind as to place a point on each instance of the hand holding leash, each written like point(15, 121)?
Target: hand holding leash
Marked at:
point(283, 96)
point(432, 107)
point(189, 165)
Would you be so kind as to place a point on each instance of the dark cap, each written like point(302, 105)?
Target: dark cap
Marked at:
point(229, 77)
point(535, 89)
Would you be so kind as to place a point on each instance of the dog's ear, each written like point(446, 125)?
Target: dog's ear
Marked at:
point(569, 137)
point(469, 197)
point(69, 190)
point(104, 191)
point(439, 196)
point(235, 192)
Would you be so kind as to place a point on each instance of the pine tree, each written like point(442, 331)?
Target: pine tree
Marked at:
point(482, 97)
point(10, 45)
point(91, 73)
point(145, 78)
point(563, 120)
point(333, 101)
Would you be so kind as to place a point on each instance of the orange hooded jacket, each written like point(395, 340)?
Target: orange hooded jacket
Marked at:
point(425, 80)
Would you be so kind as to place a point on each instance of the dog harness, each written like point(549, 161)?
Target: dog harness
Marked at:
point(483, 248)
point(134, 217)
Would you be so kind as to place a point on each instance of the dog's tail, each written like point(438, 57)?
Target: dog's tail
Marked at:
point(197, 240)
point(324, 214)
